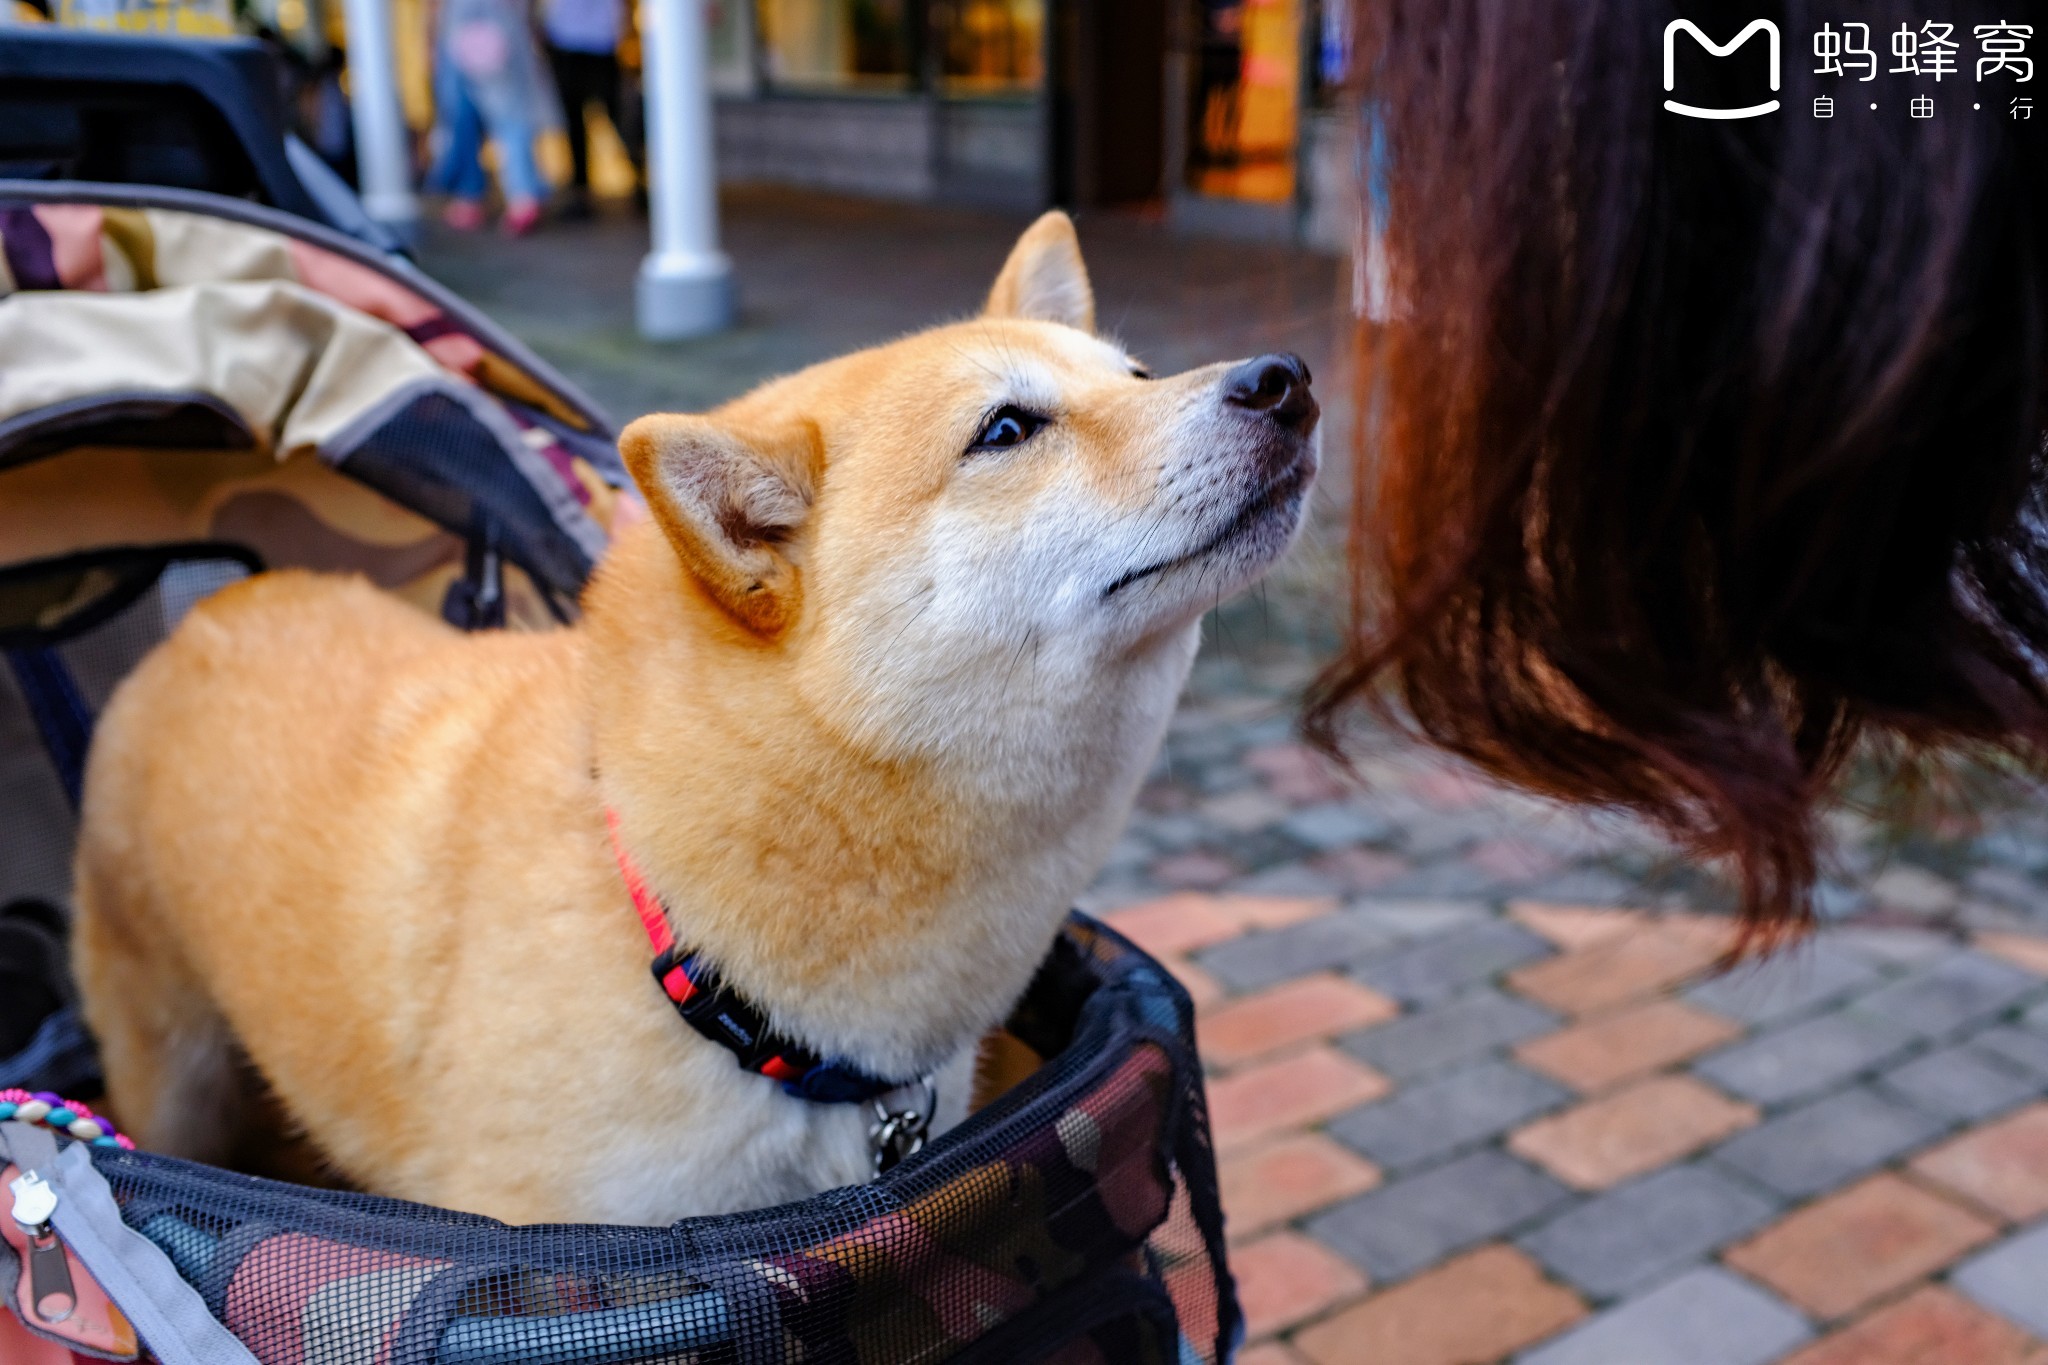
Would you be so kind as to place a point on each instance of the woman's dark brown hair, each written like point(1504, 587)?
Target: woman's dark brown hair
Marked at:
point(1693, 450)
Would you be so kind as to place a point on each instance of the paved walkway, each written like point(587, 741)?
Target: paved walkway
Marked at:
point(1478, 1094)
point(1455, 1133)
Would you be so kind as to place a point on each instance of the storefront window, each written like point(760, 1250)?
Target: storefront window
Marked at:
point(189, 18)
point(835, 44)
point(732, 46)
point(991, 47)
point(1246, 105)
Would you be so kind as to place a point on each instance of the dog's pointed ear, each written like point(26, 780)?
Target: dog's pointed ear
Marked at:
point(729, 503)
point(1044, 279)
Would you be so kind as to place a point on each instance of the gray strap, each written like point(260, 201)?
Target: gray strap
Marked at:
point(29, 1147)
point(10, 1264)
point(167, 1312)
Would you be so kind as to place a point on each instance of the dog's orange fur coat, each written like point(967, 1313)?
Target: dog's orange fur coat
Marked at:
point(371, 851)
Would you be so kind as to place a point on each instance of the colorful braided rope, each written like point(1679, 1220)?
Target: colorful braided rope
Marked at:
point(67, 1117)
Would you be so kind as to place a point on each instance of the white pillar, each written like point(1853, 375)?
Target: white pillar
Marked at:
point(685, 286)
point(383, 153)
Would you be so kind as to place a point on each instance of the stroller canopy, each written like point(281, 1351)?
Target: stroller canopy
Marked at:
point(225, 350)
point(234, 388)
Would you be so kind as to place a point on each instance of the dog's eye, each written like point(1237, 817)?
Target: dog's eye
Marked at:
point(1140, 372)
point(1007, 426)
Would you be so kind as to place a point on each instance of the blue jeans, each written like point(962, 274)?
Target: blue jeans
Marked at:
point(459, 170)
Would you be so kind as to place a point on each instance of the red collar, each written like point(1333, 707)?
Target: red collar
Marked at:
point(726, 1017)
point(653, 917)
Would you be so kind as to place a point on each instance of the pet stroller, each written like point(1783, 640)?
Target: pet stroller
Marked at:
point(195, 387)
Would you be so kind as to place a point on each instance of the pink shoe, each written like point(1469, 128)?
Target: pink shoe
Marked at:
point(464, 215)
point(520, 217)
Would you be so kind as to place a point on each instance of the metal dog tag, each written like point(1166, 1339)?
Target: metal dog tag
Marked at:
point(900, 1132)
point(897, 1136)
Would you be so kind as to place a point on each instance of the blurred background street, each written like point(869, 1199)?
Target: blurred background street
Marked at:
point(1478, 1092)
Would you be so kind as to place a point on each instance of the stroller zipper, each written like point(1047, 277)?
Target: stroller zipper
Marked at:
point(53, 1297)
point(89, 1280)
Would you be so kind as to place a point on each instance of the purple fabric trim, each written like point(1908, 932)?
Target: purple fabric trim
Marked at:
point(558, 458)
point(553, 453)
point(439, 325)
point(30, 258)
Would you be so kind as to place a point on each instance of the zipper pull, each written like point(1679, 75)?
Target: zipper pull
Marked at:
point(34, 1202)
point(49, 1270)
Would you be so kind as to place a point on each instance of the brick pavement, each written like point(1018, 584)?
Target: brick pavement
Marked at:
point(1424, 1165)
point(1582, 1144)
point(1578, 1143)
point(1478, 1093)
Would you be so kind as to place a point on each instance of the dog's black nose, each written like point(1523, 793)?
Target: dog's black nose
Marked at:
point(1273, 384)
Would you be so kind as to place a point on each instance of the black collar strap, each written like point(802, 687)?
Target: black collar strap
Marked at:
point(728, 1018)
point(736, 1024)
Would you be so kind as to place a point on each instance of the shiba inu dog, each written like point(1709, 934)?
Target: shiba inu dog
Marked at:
point(864, 704)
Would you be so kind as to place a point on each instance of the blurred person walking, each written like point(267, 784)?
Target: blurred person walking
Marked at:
point(1699, 453)
point(582, 39)
point(488, 80)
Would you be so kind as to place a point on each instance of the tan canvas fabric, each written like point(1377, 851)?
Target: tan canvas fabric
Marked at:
point(298, 367)
point(110, 249)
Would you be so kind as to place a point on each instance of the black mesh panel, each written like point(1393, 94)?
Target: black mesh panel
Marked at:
point(435, 457)
point(1074, 1220)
